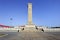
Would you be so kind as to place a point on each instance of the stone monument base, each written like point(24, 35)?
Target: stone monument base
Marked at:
point(30, 25)
point(29, 28)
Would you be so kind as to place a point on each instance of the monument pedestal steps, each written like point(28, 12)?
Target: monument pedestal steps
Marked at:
point(34, 30)
point(30, 29)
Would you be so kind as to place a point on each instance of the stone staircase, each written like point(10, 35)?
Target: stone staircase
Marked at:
point(30, 29)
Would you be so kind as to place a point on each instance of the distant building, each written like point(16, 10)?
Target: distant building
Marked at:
point(4, 26)
point(55, 27)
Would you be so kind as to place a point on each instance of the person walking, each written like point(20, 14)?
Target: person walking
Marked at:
point(18, 30)
point(43, 30)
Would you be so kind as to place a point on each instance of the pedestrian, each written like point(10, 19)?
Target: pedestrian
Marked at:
point(18, 30)
point(22, 29)
point(43, 30)
point(36, 28)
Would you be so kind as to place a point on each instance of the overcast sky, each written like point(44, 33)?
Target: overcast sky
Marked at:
point(15, 12)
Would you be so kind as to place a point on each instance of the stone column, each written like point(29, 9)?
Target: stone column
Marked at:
point(29, 13)
point(30, 23)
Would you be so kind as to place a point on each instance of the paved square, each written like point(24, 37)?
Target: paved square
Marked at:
point(31, 36)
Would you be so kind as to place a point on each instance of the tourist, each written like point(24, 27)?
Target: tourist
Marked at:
point(36, 28)
point(18, 30)
point(43, 30)
point(22, 28)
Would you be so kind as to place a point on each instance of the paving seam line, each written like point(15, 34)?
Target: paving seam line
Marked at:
point(4, 35)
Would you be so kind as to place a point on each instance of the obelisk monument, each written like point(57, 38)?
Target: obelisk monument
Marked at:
point(30, 23)
point(29, 13)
